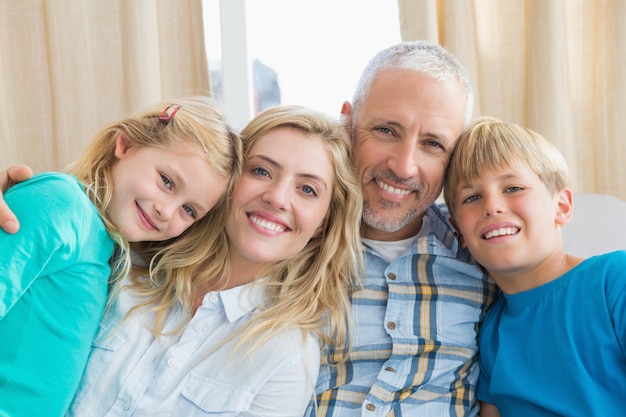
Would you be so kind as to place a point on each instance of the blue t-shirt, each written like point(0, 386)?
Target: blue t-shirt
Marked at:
point(559, 349)
point(53, 288)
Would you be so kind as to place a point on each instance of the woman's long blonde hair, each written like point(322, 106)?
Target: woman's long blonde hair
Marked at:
point(310, 290)
point(198, 120)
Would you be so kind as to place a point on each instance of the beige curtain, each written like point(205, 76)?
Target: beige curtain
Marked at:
point(555, 66)
point(68, 67)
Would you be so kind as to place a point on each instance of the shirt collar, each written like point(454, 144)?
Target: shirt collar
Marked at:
point(241, 300)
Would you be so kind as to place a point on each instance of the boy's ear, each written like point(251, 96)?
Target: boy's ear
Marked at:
point(565, 207)
point(458, 231)
point(122, 145)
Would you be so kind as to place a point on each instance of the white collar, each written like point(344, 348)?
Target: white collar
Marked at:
point(241, 300)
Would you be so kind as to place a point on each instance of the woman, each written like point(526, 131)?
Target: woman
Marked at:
point(234, 324)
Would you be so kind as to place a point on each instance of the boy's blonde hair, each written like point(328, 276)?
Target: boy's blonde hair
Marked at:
point(198, 120)
point(488, 144)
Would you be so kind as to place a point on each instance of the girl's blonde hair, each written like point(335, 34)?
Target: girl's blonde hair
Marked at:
point(488, 144)
point(310, 290)
point(198, 120)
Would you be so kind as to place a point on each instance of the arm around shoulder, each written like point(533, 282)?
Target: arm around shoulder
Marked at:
point(488, 410)
point(8, 178)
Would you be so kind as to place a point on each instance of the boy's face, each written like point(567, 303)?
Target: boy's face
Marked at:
point(510, 222)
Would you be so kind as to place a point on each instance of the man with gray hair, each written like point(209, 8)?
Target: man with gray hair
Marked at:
point(416, 319)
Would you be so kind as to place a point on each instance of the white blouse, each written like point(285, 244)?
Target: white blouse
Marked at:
point(131, 373)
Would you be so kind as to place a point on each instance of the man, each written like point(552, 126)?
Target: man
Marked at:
point(416, 320)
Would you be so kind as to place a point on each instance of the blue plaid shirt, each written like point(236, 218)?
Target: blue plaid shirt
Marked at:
point(414, 350)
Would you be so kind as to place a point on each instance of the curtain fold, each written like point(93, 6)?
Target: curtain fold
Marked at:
point(554, 66)
point(69, 67)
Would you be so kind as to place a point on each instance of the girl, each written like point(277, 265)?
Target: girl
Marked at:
point(145, 178)
point(236, 327)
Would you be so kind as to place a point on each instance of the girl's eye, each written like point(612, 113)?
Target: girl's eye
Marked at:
point(308, 190)
point(190, 211)
point(167, 182)
point(261, 172)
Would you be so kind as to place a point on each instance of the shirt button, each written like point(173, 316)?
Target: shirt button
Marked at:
point(391, 325)
point(391, 276)
point(390, 369)
point(213, 298)
point(171, 362)
point(126, 405)
point(370, 407)
point(197, 327)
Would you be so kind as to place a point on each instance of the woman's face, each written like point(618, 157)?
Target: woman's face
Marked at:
point(282, 198)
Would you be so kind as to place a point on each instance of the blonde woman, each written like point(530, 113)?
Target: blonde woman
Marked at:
point(232, 321)
point(136, 181)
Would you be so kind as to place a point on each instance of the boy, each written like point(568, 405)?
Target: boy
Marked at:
point(554, 343)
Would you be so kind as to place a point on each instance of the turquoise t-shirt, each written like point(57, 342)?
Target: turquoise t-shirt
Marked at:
point(559, 349)
point(53, 288)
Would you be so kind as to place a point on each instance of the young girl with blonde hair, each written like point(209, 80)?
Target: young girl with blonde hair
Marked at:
point(144, 178)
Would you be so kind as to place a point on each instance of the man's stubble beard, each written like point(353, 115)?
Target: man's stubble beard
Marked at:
point(377, 219)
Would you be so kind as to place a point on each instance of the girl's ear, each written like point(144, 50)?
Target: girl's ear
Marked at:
point(565, 207)
point(122, 145)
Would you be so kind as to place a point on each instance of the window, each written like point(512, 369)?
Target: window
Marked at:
point(306, 52)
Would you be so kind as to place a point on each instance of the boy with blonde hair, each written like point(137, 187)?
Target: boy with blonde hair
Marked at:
point(554, 343)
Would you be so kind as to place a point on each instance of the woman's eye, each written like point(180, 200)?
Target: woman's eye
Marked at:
point(308, 190)
point(190, 211)
point(166, 181)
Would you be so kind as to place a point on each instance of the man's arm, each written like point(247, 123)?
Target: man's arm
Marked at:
point(8, 178)
point(488, 410)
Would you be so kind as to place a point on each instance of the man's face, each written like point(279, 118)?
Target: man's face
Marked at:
point(403, 136)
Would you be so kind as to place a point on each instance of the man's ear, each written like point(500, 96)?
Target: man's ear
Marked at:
point(564, 207)
point(461, 239)
point(346, 116)
point(122, 145)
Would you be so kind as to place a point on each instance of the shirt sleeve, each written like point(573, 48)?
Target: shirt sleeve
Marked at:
point(48, 210)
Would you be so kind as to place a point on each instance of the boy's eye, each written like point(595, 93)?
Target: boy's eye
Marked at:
point(166, 181)
point(190, 211)
point(471, 198)
point(512, 189)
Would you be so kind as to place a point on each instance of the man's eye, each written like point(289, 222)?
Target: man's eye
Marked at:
point(166, 181)
point(434, 144)
point(190, 211)
point(385, 130)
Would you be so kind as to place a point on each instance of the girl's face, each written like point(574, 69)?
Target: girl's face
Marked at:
point(158, 193)
point(282, 198)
